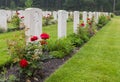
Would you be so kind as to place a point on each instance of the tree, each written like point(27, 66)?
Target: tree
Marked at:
point(82, 5)
point(12, 4)
point(72, 4)
point(28, 3)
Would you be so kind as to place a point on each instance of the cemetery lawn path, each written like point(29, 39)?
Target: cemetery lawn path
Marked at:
point(96, 61)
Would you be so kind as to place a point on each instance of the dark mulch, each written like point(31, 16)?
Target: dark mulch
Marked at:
point(49, 66)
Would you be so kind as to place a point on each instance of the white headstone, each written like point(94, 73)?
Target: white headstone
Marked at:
point(43, 13)
point(62, 23)
point(96, 17)
point(33, 22)
point(90, 15)
point(9, 15)
point(55, 15)
point(21, 13)
point(107, 14)
point(3, 20)
point(110, 14)
point(76, 20)
point(99, 14)
point(13, 13)
point(67, 15)
point(48, 13)
point(71, 14)
point(85, 17)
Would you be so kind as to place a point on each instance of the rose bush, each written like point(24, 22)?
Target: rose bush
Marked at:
point(28, 57)
point(43, 42)
point(47, 20)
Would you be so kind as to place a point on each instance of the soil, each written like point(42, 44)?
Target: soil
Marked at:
point(49, 66)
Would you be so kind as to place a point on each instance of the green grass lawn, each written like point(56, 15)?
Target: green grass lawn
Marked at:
point(51, 29)
point(96, 61)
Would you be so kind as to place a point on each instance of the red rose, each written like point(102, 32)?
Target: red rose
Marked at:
point(44, 36)
point(23, 63)
point(82, 24)
point(22, 17)
point(43, 42)
point(33, 38)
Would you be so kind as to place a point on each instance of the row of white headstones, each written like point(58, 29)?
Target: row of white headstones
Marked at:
point(33, 20)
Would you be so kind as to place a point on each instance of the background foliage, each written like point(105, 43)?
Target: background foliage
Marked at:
point(89, 5)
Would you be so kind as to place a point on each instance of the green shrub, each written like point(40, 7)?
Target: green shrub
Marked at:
point(81, 16)
point(70, 20)
point(83, 33)
point(63, 45)
point(53, 21)
point(112, 15)
point(75, 40)
point(102, 21)
point(51, 45)
point(15, 21)
point(48, 20)
point(2, 30)
point(57, 54)
point(16, 46)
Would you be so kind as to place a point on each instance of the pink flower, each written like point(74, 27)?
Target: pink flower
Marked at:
point(22, 17)
point(34, 38)
point(44, 36)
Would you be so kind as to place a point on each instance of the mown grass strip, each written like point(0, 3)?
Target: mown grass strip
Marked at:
point(97, 61)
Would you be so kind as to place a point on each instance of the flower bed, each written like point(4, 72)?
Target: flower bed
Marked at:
point(37, 58)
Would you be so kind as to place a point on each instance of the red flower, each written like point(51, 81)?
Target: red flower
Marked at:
point(44, 36)
point(43, 42)
point(33, 38)
point(88, 18)
point(22, 17)
point(82, 24)
point(23, 63)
